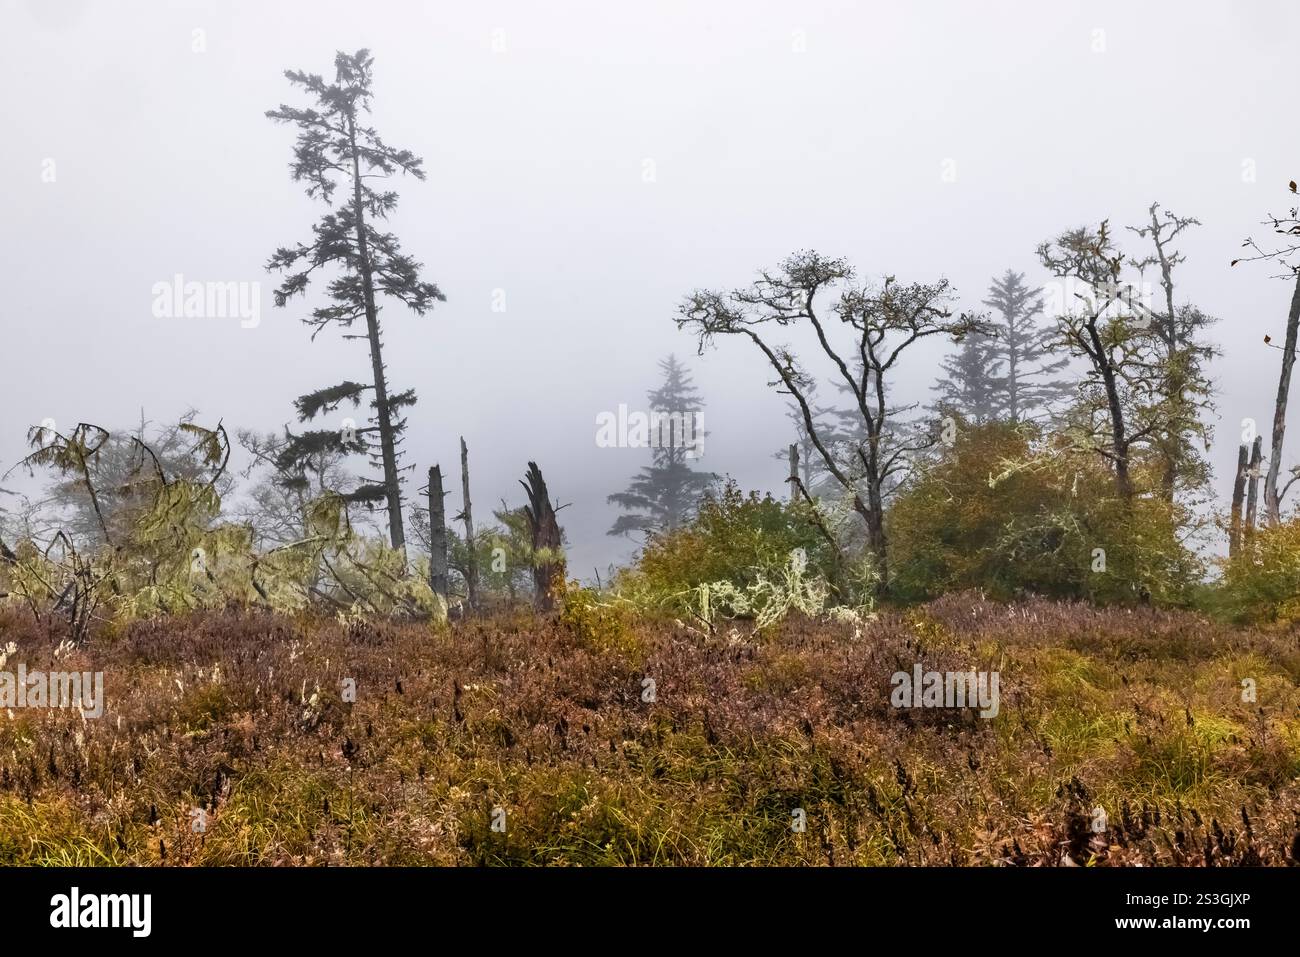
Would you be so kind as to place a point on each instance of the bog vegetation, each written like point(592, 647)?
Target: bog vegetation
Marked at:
point(1050, 517)
point(238, 720)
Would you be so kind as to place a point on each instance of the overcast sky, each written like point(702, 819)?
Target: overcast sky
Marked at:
point(129, 156)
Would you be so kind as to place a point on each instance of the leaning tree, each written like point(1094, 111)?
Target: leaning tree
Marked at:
point(335, 147)
point(1120, 408)
point(1286, 253)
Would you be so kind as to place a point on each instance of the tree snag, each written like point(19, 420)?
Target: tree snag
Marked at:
point(1238, 494)
point(437, 535)
point(1252, 495)
point(471, 558)
point(548, 558)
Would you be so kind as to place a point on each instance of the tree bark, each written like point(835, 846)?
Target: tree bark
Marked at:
point(1272, 503)
point(793, 478)
point(548, 561)
point(1115, 408)
point(471, 559)
point(387, 446)
point(437, 535)
point(1238, 494)
point(1252, 496)
point(876, 541)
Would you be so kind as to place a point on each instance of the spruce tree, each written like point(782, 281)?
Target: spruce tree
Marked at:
point(336, 148)
point(971, 386)
point(1026, 350)
point(666, 494)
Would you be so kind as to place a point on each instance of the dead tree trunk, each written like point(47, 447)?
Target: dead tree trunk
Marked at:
point(471, 559)
point(1272, 501)
point(1252, 484)
point(437, 535)
point(793, 480)
point(1238, 494)
point(548, 559)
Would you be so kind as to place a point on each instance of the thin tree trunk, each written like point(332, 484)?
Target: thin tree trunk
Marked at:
point(471, 559)
point(1272, 503)
point(1252, 496)
point(1118, 433)
point(1174, 446)
point(437, 535)
point(793, 479)
point(387, 446)
point(1238, 494)
point(1012, 351)
point(876, 536)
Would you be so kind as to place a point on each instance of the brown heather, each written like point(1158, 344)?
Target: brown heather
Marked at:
point(1139, 712)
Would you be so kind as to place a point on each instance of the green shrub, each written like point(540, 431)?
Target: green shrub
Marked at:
point(601, 625)
point(1262, 583)
point(733, 538)
point(1005, 511)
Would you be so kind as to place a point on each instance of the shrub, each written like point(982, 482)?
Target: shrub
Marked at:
point(601, 625)
point(1263, 582)
point(1005, 511)
point(734, 538)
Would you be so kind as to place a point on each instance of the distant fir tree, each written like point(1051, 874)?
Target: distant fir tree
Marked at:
point(335, 148)
point(1027, 351)
point(970, 387)
point(667, 493)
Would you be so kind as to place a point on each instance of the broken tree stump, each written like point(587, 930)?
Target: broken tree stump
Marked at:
point(1238, 494)
point(437, 535)
point(548, 556)
point(1252, 494)
point(793, 479)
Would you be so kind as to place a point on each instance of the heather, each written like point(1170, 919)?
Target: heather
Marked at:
point(241, 715)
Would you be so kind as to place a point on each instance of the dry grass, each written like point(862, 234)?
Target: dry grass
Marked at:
point(1139, 712)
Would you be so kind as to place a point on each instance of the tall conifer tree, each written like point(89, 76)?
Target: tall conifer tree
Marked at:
point(665, 494)
point(336, 148)
point(971, 385)
point(1029, 356)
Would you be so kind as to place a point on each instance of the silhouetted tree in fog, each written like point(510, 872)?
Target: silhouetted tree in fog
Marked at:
point(1182, 353)
point(335, 148)
point(970, 381)
point(1027, 353)
point(667, 492)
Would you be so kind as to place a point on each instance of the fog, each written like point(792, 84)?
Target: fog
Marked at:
point(588, 165)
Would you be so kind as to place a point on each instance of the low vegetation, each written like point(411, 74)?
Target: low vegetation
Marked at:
point(1124, 736)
